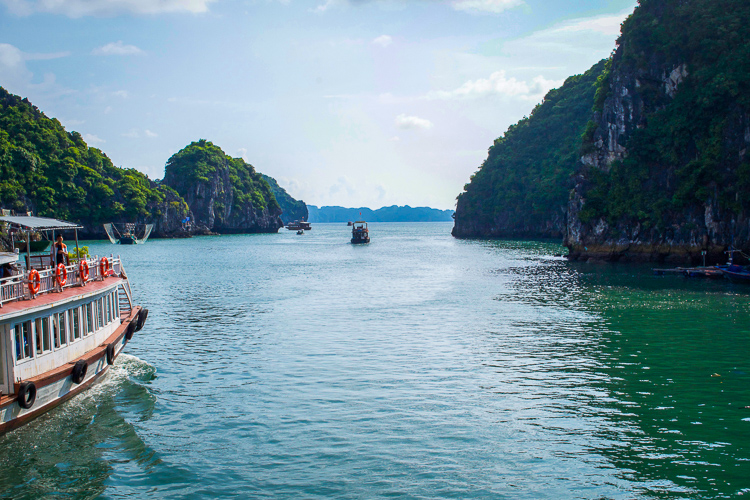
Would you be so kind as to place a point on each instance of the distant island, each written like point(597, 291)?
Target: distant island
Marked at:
point(385, 214)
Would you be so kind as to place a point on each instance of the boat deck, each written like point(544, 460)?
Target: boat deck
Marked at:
point(43, 300)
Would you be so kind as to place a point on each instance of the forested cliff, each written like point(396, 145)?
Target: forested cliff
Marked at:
point(665, 172)
point(662, 170)
point(51, 172)
point(522, 188)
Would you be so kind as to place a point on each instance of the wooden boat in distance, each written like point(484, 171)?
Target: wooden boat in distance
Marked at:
point(360, 233)
point(299, 224)
point(61, 327)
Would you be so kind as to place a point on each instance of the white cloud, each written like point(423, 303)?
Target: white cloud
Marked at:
point(134, 133)
point(412, 122)
point(116, 49)
point(243, 153)
point(16, 77)
point(81, 8)
point(492, 6)
point(325, 6)
point(383, 40)
point(121, 93)
point(92, 139)
point(343, 185)
point(498, 84)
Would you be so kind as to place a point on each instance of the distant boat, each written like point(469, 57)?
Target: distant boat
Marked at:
point(127, 233)
point(299, 224)
point(300, 232)
point(36, 246)
point(735, 272)
point(360, 233)
point(350, 223)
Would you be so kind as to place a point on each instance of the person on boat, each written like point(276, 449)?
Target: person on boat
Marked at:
point(61, 250)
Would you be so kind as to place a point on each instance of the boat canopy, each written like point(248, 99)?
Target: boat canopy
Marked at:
point(8, 258)
point(31, 223)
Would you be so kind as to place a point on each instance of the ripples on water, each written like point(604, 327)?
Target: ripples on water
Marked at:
point(418, 366)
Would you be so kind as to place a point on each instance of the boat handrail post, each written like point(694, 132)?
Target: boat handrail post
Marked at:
point(78, 252)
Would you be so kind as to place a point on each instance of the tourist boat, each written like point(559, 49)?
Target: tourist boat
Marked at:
point(299, 225)
point(360, 233)
point(733, 271)
point(61, 327)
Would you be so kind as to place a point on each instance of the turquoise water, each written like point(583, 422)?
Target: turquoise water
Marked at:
point(418, 366)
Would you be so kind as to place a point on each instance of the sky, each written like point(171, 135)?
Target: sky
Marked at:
point(344, 102)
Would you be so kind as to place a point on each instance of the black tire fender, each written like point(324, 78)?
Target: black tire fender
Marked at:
point(26, 395)
point(111, 354)
point(79, 371)
point(142, 315)
point(130, 330)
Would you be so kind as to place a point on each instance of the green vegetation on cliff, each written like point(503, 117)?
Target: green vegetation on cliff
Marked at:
point(291, 209)
point(524, 183)
point(687, 150)
point(52, 172)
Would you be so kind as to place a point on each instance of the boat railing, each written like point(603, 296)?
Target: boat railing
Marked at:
point(78, 273)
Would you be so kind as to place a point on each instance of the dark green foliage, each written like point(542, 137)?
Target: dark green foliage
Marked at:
point(203, 162)
point(526, 177)
point(689, 150)
point(54, 173)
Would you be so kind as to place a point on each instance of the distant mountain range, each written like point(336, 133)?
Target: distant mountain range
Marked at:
point(385, 214)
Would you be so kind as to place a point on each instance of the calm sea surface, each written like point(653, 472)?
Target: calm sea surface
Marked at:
point(418, 366)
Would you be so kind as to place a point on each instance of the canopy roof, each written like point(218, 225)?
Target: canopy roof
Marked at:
point(38, 223)
point(8, 258)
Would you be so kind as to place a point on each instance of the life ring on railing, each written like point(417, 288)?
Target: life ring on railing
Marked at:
point(61, 275)
point(104, 267)
point(35, 281)
point(83, 268)
point(26, 395)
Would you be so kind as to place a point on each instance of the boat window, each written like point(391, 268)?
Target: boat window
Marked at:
point(60, 329)
point(89, 318)
point(117, 306)
point(22, 337)
point(108, 307)
point(75, 321)
point(41, 327)
point(100, 312)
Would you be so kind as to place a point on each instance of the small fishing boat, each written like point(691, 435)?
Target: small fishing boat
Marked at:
point(299, 224)
point(300, 232)
point(360, 233)
point(128, 233)
point(61, 326)
point(736, 273)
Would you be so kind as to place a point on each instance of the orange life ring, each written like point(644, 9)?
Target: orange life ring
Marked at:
point(61, 275)
point(35, 281)
point(104, 267)
point(83, 268)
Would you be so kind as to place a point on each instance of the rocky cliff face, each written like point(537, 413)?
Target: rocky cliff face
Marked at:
point(664, 170)
point(224, 195)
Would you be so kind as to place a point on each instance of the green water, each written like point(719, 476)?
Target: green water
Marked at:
point(418, 366)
